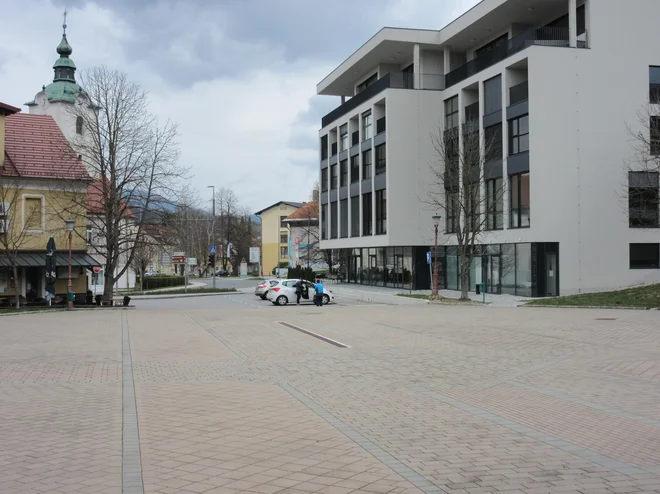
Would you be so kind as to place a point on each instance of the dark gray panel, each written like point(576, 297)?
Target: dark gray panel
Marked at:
point(365, 145)
point(517, 110)
point(333, 160)
point(343, 155)
point(380, 181)
point(343, 193)
point(518, 163)
point(367, 186)
point(324, 197)
point(380, 139)
point(355, 189)
point(324, 164)
point(333, 195)
point(493, 118)
point(355, 150)
point(493, 169)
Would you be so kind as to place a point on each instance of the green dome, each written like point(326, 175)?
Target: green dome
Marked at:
point(64, 62)
point(63, 91)
point(64, 48)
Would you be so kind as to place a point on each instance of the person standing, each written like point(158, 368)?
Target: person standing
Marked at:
point(298, 287)
point(318, 296)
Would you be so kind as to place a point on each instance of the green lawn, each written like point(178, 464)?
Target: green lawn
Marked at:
point(190, 290)
point(641, 296)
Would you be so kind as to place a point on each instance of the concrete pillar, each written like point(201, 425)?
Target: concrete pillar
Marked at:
point(417, 66)
point(343, 99)
point(572, 23)
point(447, 59)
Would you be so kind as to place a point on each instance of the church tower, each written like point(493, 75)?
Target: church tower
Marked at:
point(58, 98)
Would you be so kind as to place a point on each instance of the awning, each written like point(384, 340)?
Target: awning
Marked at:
point(38, 260)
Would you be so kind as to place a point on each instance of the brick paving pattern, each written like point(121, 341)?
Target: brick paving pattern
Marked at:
point(427, 399)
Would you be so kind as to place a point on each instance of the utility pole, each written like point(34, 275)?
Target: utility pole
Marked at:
point(213, 233)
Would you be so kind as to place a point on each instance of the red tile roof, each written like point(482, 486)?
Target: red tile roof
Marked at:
point(6, 109)
point(37, 148)
point(309, 210)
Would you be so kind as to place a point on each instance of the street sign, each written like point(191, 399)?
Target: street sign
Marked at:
point(212, 250)
point(255, 255)
point(428, 257)
point(96, 269)
point(178, 259)
point(192, 261)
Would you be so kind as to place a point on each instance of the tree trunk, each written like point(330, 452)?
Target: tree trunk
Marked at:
point(108, 287)
point(465, 277)
point(17, 295)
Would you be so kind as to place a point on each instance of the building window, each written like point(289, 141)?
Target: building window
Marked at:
point(324, 180)
point(381, 212)
point(451, 209)
point(333, 149)
point(324, 221)
point(367, 226)
point(343, 218)
point(655, 136)
point(654, 85)
point(33, 213)
point(451, 113)
point(79, 125)
point(355, 138)
point(343, 170)
point(282, 221)
point(355, 216)
point(284, 252)
point(89, 235)
point(333, 219)
point(494, 204)
point(643, 199)
point(644, 256)
point(324, 147)
point(333, 177)
point(380, 159)
point(355, 169)
point(380, 125)
point(367, 121)
point(493, 95)
point(366, 165)
point(284, 238)
point(368, 82)
point(343, 137)
point(493, 143)
point(519, 135)
point(519, 193)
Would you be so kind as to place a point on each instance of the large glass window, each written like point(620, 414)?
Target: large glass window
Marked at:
point(324, 147)
point(508, 269)
point(333, 177)
point(343, 169)
point(366, 165)
point(524, 270)
point(355, 169)
point(519, 194)
point(519, 135)
point(643, 199)
point(343, 137)
point(451, 113)
point(654, 85)
point(655, 136)
point(367, 210)
point(381, 212)
point(324, 180)
point(493, 143)
point(355, 216)
point(494, 204)
point(334, 219)
point(451, 209)
point(367, 125)
point(324, 221)
point(644, 256)
point(493, 95)
point(366, 83)
point(343, 231)
point(380, 159)
point(452, 268)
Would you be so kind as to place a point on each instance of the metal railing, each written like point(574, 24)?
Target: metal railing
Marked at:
point(380, 125)
point(542, 36)
point(518, 93)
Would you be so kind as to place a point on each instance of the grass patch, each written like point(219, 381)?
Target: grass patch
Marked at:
point(14, 310)
point(418, 296)
point(190, 291)
point(640, 296)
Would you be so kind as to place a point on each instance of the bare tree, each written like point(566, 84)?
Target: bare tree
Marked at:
point(458, 189)
point(146, 250)
point(133, 159)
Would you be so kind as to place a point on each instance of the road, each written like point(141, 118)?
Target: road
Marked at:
point(225, 397)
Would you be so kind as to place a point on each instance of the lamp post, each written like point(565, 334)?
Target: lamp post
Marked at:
point(70, 224)
point(212, 187)
point(434, 288)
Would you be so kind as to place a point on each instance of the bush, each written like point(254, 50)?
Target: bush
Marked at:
point(300, 273)
point(152, 282)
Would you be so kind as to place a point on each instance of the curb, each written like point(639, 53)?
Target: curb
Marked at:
point(600, 307)
point(48, 311)
point(181, 295)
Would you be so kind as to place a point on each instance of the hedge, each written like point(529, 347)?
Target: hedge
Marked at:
point(301, 273)
point(151, 282)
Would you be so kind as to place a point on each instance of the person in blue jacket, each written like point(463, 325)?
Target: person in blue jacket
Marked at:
point(318, 297)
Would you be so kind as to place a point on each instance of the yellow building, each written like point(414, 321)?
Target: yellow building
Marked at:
point(275, 238)
point(42, 183)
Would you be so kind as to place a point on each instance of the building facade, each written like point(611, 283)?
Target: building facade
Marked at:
point(275, 235)
point(304, 237)
point(558, 86)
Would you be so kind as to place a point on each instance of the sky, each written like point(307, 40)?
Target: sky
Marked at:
point(237, 76)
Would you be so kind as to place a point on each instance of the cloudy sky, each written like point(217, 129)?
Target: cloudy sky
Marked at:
point(238, 76)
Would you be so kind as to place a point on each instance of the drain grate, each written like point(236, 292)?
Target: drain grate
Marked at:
point(606, 319)
point(315, 335)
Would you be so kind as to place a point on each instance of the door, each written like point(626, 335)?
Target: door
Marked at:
point(493, 275)
point(398, 271)
point(356, 266)
point(373, 275)
point(551, 274)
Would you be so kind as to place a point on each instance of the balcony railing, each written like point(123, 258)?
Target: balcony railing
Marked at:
point(518, 93)
point(333, 149)
point(380, 125)
point(472, 112)
point(397, 80)
point(543, 36)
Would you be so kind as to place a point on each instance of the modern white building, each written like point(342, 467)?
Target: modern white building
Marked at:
point(559, 84)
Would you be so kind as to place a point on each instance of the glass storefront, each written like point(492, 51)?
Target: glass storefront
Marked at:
point(382, 266)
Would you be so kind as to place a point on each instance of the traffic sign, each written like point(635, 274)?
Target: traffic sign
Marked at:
point(212, 250)
point(178, 259)
point(297, 240)
point(428, 257)
point(255, 254)
point(96, 269)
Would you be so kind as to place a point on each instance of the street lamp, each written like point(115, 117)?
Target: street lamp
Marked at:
point(434, 288)
point(70, 224)
point(212, 187)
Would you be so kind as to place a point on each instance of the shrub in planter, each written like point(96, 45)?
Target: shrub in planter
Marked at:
point(153, 282)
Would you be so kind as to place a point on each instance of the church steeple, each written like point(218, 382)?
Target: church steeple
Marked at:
point(64, 67)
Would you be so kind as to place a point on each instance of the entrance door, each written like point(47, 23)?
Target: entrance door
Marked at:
point(33, 283)
point(398, 271)
point(373, 274)
point(356, 266)
point(493, 275)
point(551, 274)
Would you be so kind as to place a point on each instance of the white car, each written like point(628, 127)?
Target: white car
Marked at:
point(285, 292)
point(263, 287)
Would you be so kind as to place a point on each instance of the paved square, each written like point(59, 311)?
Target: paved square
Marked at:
point(425, 399)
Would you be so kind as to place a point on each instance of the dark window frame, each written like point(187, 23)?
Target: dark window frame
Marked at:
point(644, 260)
point(366, 83)
point(367, 214)
point(494, 204)
point(452, 210)
point(324, 221)
point(451, 113)
point(334, 219)
point(333, 177)
point(518, 139)
point(324, 179)
point(355, 216)
point(343, 218)
point(367, 125)
point(343, 137)
point(355, 169)
point(643, 199)
point(654, 135)
point(343, 173)
point(654, 84)
point(381, 164)
point(324, 147)
point(367, 165)
point(381, 212)
point(79, 125)
point(515, 210)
